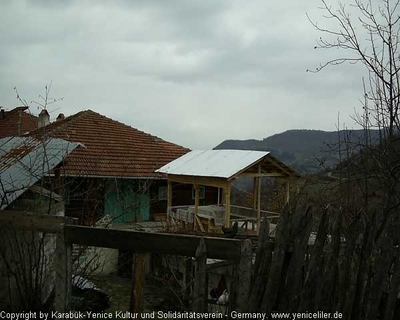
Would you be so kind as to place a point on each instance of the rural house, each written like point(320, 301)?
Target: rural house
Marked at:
point(24, 163)
point(16, 122)
point(114, 173)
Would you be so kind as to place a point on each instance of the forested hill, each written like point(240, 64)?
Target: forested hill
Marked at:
point(301, 149)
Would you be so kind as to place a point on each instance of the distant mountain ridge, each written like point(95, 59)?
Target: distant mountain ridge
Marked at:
point(303, 150)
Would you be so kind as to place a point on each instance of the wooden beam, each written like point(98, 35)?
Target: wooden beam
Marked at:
point(199, 223)
point(32, 222)
point(196, 205)
point(287, 190)
point(63, 272)
point(278, 165)
point(254, 175)
point(244, 274)
point(259, 199)
point(188, 277)
point(140, 242)
point(138, 284)
point(204, 181)
point(169, 197)
point(200, 272)
point(223, 198)
point(254, 195)
point(228, 206)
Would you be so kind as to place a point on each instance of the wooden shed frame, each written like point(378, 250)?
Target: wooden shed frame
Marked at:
point(265, 166)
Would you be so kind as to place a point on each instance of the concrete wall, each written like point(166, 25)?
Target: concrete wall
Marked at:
point(97, 261)
point(27, 275)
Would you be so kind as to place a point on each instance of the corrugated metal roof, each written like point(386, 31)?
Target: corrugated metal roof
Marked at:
point(25, 160)
point(213, 163)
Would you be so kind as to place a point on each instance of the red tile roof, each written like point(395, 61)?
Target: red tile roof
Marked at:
point(112, 149)
point(16, 122)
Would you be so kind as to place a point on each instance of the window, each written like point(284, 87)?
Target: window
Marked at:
point(202, 193)
point(162, 193)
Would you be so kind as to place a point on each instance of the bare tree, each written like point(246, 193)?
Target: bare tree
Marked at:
point(372, 39)
point(367, 32)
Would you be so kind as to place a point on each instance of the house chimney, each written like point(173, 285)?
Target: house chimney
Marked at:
point(60, 117)
point(44, 118)
point(2, 114)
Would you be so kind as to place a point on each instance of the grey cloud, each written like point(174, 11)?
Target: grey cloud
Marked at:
point(182, 70)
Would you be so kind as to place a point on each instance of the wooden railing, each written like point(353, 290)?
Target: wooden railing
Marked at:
point(139, 243)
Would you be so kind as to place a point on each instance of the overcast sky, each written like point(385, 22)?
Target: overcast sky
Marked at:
point(191, 72)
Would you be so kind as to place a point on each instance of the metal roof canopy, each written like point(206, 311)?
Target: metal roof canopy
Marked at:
point(227, 164)
point(219, 168)
point(25, 160)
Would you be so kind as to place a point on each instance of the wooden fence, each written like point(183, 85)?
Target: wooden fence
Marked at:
point(354, 271)
point(138, 243)
point(356, 275)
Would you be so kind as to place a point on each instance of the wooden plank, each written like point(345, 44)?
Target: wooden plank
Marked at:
point(63, 272)
point(255, 195)
point(196, 207)
point(274, 278)
point(223, 199)
point(254, 175)
point(287, 190)
point(169, 202)
point(228, 206)
point(138, 284)
point(200, 272)
point(261, 266)
point(54, 195)
point(381, 268)
point(393, 292)
point(364, 271)
point(312, 283)
point(188, 277)
point(33, 222)
point(279, 166)
point(140, 242)
point(259, 199)
point(169, 197)
point(199, 223)
point(204, 181)
point(301, 224)
point(244, 273)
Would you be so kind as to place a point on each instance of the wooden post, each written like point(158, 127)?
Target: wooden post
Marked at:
point(244, 277)
point(63, 269)
point(138, 284)
point(259, 199)
point(228, 206)
point(188, 289)
point(258, 205)
point(169, 200)
point(200, 292)
point(196, 205)
point(261, 266)
point(277, 264)
point(57, 180)
point(255, 188)
point(255, 180)
point(287, 190)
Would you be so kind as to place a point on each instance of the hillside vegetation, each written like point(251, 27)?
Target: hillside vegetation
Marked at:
point(304, 150)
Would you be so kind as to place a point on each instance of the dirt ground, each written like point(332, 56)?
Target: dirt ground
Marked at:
point(158, 295)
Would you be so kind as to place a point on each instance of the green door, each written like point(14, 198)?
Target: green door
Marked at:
point(125, 201)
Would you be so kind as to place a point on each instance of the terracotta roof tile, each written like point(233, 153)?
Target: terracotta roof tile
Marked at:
point(112, 149)
point(16, 122)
